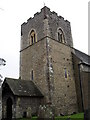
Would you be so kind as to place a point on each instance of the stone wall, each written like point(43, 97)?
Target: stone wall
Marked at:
point(34, 58)
point(27, 106)
point(21, 106)
point(64, 96)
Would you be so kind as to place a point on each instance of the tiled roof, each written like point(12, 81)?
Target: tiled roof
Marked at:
point(82, 56)
point(23, 87)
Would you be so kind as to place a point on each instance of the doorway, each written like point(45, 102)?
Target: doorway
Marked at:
point(9, 109)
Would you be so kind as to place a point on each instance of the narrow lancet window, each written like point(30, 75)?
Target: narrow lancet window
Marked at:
point(66, 75)
point(32, 74)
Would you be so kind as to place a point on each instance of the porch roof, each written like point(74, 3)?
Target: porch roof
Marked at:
point(22, 87)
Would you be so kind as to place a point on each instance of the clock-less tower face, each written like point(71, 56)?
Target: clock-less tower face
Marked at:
point(46, 59)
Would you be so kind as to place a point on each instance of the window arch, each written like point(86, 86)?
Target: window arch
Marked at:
point(61, 37)
point(33, 38)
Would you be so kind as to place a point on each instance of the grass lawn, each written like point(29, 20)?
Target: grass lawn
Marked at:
point(79, 116)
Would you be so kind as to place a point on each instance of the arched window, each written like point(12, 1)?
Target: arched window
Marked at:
point(32, 37)
point(61, 37)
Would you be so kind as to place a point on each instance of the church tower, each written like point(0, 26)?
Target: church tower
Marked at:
point(46, 59)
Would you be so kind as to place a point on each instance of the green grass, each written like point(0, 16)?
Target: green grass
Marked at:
point(79, 116)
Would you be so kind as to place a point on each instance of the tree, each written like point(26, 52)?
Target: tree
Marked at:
point(2, 63)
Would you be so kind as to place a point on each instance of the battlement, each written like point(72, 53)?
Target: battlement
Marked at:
point(36, 14)
point(46, 23)
point(46, 11)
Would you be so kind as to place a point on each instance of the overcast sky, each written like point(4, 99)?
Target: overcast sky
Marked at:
point(14, 12)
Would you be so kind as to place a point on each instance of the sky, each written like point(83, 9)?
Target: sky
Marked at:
point(14, 12)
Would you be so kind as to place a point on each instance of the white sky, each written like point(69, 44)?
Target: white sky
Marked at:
point(14, 12)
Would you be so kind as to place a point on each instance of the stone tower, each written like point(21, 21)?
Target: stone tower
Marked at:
point(46, 59)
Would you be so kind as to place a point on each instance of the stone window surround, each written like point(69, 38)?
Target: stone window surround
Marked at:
point(32, 37)
point(61, 35)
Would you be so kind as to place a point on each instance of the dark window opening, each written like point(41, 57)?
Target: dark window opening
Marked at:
point(65, 73)
point(59, 37)
point(32, 75)
point(34, 38)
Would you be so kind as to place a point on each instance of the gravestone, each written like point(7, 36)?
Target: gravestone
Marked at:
point(29, 112)
point(46, 112)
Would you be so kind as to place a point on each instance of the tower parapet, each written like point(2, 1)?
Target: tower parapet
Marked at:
point(54, 23)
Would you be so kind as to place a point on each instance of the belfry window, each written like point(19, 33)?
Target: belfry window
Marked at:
point(32, 37)
point(61, 36)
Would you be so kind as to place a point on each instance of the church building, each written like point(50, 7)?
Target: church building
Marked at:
point(52, 71)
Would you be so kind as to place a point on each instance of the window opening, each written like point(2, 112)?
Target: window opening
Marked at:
point(32, 74)
point(65, 73)
point(61, 36)
point(34, 38)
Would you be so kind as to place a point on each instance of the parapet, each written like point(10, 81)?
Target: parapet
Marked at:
point(53, 12)
point(29, 19)
point(24, 23)
point(45, 8)
point(46, 11)
point(36, 14)
point(61, 17)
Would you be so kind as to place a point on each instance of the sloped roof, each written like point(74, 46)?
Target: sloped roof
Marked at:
point(23, 87)
point(82, 56)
